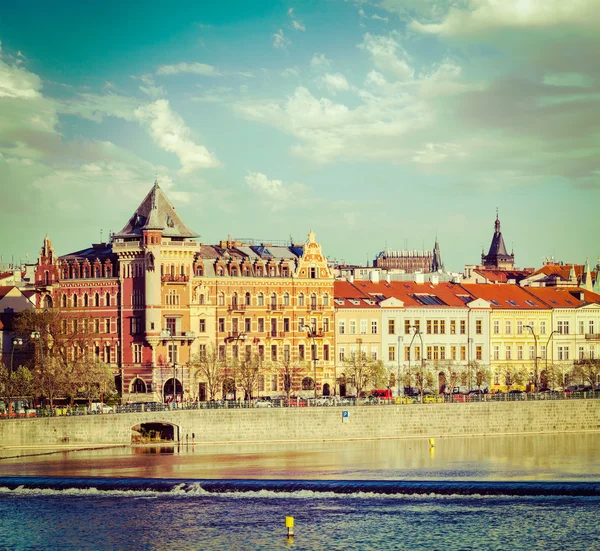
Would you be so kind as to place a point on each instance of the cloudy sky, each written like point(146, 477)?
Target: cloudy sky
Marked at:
point(376, 123)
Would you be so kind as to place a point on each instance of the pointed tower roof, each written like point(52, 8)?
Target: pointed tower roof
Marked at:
point(497, 252)
point(436, 264)
point(156, 213)
point(586, 279)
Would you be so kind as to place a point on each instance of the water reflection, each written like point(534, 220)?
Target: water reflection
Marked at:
point(538, 457)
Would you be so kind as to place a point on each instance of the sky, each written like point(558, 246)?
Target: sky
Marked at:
point(375, 123)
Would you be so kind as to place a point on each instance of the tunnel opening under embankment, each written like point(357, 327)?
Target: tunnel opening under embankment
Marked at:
point(156, 431)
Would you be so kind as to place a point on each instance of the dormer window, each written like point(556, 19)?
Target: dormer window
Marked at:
point(313, 273)
point(220, 271)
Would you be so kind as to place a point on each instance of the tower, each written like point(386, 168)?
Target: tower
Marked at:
point(436, 264)
point(497, 257)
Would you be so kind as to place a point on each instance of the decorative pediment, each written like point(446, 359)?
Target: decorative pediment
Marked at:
point(312, 264)
point(479, 304)
point(391, 302)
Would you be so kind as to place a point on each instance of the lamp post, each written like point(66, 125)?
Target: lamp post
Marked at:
point(17, 341)
point(417, 332)
point(166, 334)
point(535, 373)
point(548, 344)
point(400, 387)
point(312, 334)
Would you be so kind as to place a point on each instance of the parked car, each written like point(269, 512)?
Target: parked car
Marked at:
point(405, 400)
point(433, 399)
point(262, 403)
point(383, 394)
point(516, 394)
point(323, 401)
point(97, 407)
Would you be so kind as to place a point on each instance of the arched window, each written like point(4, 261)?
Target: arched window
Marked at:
point(85, 300)
point(246, 271)
point(47, 301)
point(325, 299)
point(272, 271)
point(308, 384)
point(107, 299)
point(221, 299)
point(286, 299)
point(74, 301)
point(259, 271)
point(138, 386)
point(199, 271)
point(220, 271)
point(96, 300)
point(247, 299)
point(301, 299)
point(260, 299)
point(274, 301)
point(234, 300)
point(234, 271)
point(313, 301)
point(108, 271)
point(97, 271)
point(201, 298)
point(63, 301)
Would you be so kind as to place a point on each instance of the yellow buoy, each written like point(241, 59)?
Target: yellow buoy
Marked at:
point(432, 442)
point(289, 524)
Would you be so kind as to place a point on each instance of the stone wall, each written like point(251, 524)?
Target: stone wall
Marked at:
point(321, 423)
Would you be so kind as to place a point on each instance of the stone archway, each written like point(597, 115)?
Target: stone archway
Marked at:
point(155, 431)
point(326, 390)
point(168, 393)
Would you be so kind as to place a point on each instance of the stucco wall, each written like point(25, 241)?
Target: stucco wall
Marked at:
point(366, 422)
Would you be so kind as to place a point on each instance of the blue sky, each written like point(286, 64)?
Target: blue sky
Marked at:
point(373, 123)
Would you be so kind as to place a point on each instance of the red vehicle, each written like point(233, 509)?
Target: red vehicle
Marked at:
point(384, 394)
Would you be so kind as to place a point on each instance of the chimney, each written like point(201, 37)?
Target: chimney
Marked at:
point(419, 278)
point(350, 278)
point(388, 278)
point(374, 276)
point(435, 279)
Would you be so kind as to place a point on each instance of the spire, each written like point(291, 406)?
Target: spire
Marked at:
point(572, 276)
point(157, 213)
point(586, 282)
point(497, 257)
point(436, 263)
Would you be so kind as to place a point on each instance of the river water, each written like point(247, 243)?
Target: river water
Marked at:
point(497, 493)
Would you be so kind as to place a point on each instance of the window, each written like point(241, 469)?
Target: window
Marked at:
point(342, 327)
point(221, 299)
point(74, 301)
point(496, 327)
point(392, 327)
point(543, 351)
point(107, 325)
point(313, 301)
point(436, 353)
point(417, 326)
point(542, 327)
point(286, 299)
point(221, 325)
point(581, 327)
point(273, 352)
point(137, 353)
point(453, 352)
point(273, 301)
point(286, 324)
point(301, 299)
point(313, 273)
point(202, 350)
point(342, 353)
point(96, 325)
point(519, 352)
point(406, 353)
point(478, 327)
point(273, 327)
point(407, 327)
point(417, 353)
point(496, 352)
point(463, 327)
point(442, 327)
point(301, 353)
point(260, 300)
point(325, 299)
point(429, 353)
point(507, 352)
point(261, 352)
point(247, 325)
point(274, 382)
point(85, 300)
point(136, 326)
point(234, 326)
point(352, 327)
point(442, 352)
point(429, 327)
point(453, 327)
point(563, 352)
point(202, 326)
point(373, 327)
point(436, 327)
point(591, 327)
point(581, 353)
point(107, 299)
point(301, 324)
point(325, 325)
point(172, 352)
point(326, 352)
point(463, 353)
point(519, 327)
point(261, 325)
point(531, 352)
point(363, 327)
point(508, 327)
point(221, 352)
point(313, 352)
point(374, 353)
point(391, 353)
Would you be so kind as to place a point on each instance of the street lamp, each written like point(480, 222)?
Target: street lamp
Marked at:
point(17, 341)
point(417, 332)
point(548, 344)
point(166, 334)
point(535, 373)
point(239, 337)
point(400, 392)
point(312, 333)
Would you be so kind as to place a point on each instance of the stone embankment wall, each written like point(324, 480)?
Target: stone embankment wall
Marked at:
point(319, 423)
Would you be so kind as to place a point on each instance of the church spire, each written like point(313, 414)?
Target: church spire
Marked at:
point(498, 257)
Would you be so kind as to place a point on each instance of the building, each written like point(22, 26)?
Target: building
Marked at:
point(497, 257)
point(411, 261)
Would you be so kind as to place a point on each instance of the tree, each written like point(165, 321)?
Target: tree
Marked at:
point(452, 373)
point(94, 379)
point(588, 371)
point(210, 368)
point(15, 383)
point(513, 375)
point(362, 370)
point(248, 373)
point(292, 374)
point(50, 379)
point(482, 373)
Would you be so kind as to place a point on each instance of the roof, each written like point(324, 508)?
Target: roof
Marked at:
point(417, 295)
point(100, 251)
point(506, 297)
point(156, 213)
point(497, 247)
point(5, 289)
point(564, 297)
point(502, 276)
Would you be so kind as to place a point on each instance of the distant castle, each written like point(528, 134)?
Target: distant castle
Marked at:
point(411, 261)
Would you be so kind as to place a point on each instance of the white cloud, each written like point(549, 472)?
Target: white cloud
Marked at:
point(192, 68)
point(16, 82)
point(296, 25)
point(259, 182)
point(277, 194)
point(388, 56)
point(379, 18)
point(334, 82)
point(171, 134)
point(319, 62)
point(290, 72)
point(280, 41)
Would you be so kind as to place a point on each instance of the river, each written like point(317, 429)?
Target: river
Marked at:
point(508, 492)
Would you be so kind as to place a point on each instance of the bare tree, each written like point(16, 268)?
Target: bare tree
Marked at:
point(512, 375)
point(248, 373)
point(362, 370)
point(482, 373)
point(588, 371)
point(291, 374)
point(210, 368)
point(94, 379)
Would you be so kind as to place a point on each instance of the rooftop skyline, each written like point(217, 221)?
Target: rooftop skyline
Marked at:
point(377, 124)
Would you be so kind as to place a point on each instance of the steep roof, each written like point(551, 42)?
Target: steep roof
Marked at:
point(504, 296)
point(502, 276)
point(156, 213)
point(497, 250)
point(564, 297)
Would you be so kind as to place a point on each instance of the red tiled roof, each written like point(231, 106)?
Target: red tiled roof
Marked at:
point(563, 297)
point(500, 295)
point(416, 295)
point(5, 289)
point(345, 289)
point(502, 276)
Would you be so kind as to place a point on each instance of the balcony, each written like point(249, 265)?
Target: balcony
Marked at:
point(237, 308)
point(315, 307)
point(592, 337)
point(276, 334)
point(168, 278)
point(276, 307)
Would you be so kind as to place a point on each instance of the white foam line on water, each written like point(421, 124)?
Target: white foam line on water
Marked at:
point(196, 491)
